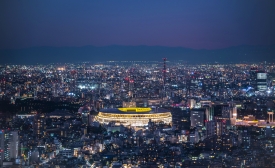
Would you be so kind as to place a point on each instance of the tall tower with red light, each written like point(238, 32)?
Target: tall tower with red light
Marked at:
point(164, 75)
point(130, 84)
point(164, 71)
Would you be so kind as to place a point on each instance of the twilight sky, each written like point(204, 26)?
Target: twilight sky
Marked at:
point(199, 24)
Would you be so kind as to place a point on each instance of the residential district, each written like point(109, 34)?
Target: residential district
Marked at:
point(137, 114)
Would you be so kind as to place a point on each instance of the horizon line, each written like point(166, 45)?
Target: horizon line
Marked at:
point(118, 45)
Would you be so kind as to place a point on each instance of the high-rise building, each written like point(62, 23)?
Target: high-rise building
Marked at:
point(220, 126)
point(253, 77)
point(197, 117)
point(230, 114)
point(131, 88)
point(261, 81)
point(13, 144)
point(39, 125)
point(85, 114)
point(9, 144)
point(209, 114)
point(210, 128)
point(2, 139)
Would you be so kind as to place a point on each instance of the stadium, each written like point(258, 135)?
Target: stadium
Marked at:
point(134, 116)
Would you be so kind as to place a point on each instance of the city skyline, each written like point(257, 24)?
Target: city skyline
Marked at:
point(137, 84)
point(137, 114)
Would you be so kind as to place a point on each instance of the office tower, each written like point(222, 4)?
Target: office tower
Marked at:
point(233, 115)
point(218, 109)
point(9, 142)
point(261, 81)
point(164, 71)
point(131, 88)
point(209, 114)
point(226, 112)
point(230, 115)
point(210, 128)
point(253, 77)
point(1, 147)
point(85, 114)
point(13, 144)
point(39, 125)
point(220, 126)
point(197, 117)
point(55, 90)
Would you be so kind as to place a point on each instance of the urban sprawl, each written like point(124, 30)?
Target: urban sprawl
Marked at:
point(137, 114)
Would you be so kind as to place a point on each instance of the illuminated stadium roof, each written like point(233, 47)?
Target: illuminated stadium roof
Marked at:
point(134, 110)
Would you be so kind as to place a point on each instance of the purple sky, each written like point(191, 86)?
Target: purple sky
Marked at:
point(199, 24)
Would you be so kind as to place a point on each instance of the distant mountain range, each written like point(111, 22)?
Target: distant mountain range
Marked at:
point(46, 55)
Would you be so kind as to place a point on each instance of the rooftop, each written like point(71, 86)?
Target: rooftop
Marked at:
point(132, 111)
